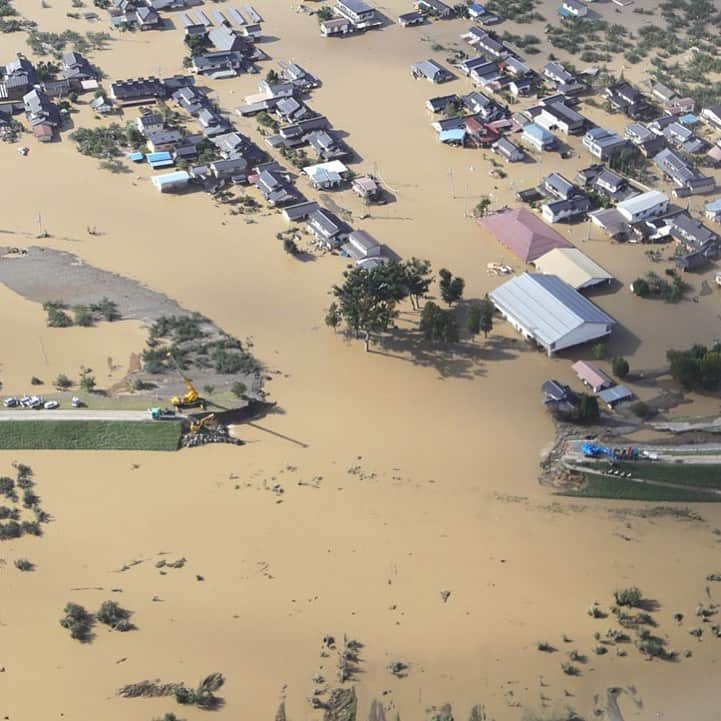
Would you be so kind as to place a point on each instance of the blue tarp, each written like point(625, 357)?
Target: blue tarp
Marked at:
point(137, 157)
point(454, 135)
point(689, 119)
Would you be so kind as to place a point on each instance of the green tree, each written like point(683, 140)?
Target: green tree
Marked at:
point(473, 322)
point(87, 380)
point(367, 299)
point(587, 408)
point(135, 139)
point(333, 317)
point(438, 325)
point(641, 288)
point(487, 311)
point(710, 370)
point(272, 77)
point(482, 207)
point(451, 287)
point(418, 279)
point(620, 367)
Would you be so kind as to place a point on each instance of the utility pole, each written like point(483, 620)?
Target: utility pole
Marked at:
point(41, 232)
point(453, 184)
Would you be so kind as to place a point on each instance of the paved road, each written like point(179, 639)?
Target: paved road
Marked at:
point(76, 414)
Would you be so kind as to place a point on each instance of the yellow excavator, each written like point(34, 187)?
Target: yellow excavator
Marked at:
point(209, 421)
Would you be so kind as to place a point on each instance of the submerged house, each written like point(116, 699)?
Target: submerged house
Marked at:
point(574, 267)
point(688, 179)
point(559, 397)
point(592, 376)
point(545, 309)
point(523, 233)
point(538, 137)
point(328, 228)
point(432, 71)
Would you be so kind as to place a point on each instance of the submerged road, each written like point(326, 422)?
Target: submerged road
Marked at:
point(76, 414)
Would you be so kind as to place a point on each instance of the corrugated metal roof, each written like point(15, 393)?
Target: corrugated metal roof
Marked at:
point(547, 306)
point(615, 394)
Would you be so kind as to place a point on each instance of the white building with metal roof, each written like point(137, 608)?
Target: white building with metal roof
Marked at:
point(549, 311)
point(641, 207)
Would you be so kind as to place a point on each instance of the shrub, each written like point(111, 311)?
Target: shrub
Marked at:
point(569, 669)
point(87, 380)
point(290, 246)
point(239, 390)
point(600, 351)
point(35, 381)
point(22, 564)
point(544, 646)
point(641, 410)
point(62, 381)
point(107, 308)
point(113, 615)
point(7, 486)
point(83, 316)
point(58, 318)
point(78, 621)
point(620, 367)
point(629, 596)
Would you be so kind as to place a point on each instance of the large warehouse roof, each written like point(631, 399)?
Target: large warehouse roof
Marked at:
point(573, 266)
point(549, 309)
point(523, 233)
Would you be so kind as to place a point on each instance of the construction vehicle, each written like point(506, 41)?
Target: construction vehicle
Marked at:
point(209, 421)
point(192, 399)
point(162, 414)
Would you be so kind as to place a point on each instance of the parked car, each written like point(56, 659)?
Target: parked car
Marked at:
point(49, 405)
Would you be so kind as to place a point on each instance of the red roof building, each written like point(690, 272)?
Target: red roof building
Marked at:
point(523, 233)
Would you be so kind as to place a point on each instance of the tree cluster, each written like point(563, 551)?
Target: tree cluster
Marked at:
point(367, 299)
point(654, 286)
point(84, 315)
point(698, 367)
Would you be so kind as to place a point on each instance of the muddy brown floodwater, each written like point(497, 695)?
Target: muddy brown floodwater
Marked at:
point(405, 472)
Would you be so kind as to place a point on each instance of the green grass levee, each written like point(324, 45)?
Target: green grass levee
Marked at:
point(90, 435)
point(595, 486)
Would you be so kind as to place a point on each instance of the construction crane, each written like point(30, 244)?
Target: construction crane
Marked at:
point(191, 399)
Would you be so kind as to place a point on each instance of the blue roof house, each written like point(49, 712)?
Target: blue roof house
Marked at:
point(170, 182)
point(538, 137)
point(453, 136)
